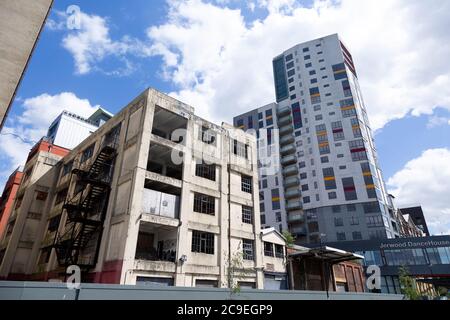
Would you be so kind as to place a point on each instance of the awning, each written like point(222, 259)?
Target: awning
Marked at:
point(326, 253)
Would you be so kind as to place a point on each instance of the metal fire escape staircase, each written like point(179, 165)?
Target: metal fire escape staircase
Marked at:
point(86, 210)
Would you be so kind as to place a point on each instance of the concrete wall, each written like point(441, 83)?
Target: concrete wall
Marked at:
point(20, 24)
point(59, 291)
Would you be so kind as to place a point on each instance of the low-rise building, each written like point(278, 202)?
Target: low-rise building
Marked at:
point(155, 196)
point(275, 259)
point(8, 197)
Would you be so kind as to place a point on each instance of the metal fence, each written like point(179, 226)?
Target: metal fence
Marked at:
point(12, 290)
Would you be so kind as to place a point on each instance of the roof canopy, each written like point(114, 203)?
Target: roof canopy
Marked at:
point(325, 253)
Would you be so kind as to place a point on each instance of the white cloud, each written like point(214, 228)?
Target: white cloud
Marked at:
point(436, 121)
point(222, 66)
point(425, 181)
point(32, 124)
point(92, 43)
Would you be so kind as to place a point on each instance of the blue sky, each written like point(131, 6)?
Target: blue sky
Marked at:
point(216, 56)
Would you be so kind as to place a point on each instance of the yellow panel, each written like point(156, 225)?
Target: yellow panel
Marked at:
point(323, 144)
point(356, 127)
point(329, 178)
point(339, 71)
point(269, 117)
point(321, 133)
point(370, 186)
point(366, 174)
point(276, 199)
point(348, 108)
point(315, 95)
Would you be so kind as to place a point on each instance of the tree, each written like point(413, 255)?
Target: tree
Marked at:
point(235, 272)
point(289, 238)
point(408, 284)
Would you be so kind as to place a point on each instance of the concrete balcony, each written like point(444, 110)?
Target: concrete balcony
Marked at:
point(290, 170)
point(287, 139)
point(285, 120)
point(289, 149)
point(296, 217)
point(283, 111)
point(291, 181)
point(286, 130)
point(155, 266)
point(294, 205)
point(300, 231)
point(290, 159)
point(292, 193)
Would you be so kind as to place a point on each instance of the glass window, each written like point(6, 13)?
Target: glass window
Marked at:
point(268, 249)
point(444, 255)
point(246, 184)
point(247, 214)
point(204, 204)
point(87, 153)
point(202, 242)
point(279, 70)
point(247, 246)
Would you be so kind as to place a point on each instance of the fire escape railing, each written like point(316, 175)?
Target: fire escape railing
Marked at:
point(86, 209)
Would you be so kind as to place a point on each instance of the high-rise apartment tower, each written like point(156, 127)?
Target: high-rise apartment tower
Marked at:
point(329, 185)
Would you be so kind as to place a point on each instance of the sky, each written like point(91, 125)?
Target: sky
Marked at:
point(216, 56)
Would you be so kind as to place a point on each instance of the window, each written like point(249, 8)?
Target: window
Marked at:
point(41, 196)
point(207, 171)
point(313, 81)
point(264, 184)
point(303, 175)
point(340, 236)
point(338, 222)
point(351, 207)
point(306, 199)
point(87, 153)
point(67, 168)
point(308, 65)
point(319, 117)
point(279, 251)
point(290, 65)
point(275, 199)
point(332, 195)
point(324, 149)
point(247, 214)
point(246, 184)
point(61, 196)
point(240, 149)
point(263, 219)
point(349, 189)
point(305, 187)
point(278, 216)
point(305, 49)
point(289, 57)
point(307, 57)
point(204, 204)
point(354, 221)
point(247, 247)
point(279, 70)
point(202, 242)
point(374, 221)
point(53, 223)
point(336, 209)
point(371, 207)
point(208, 136)
point(357, 235)
point(268, 249)
point(291, 73)
point(324, 159)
